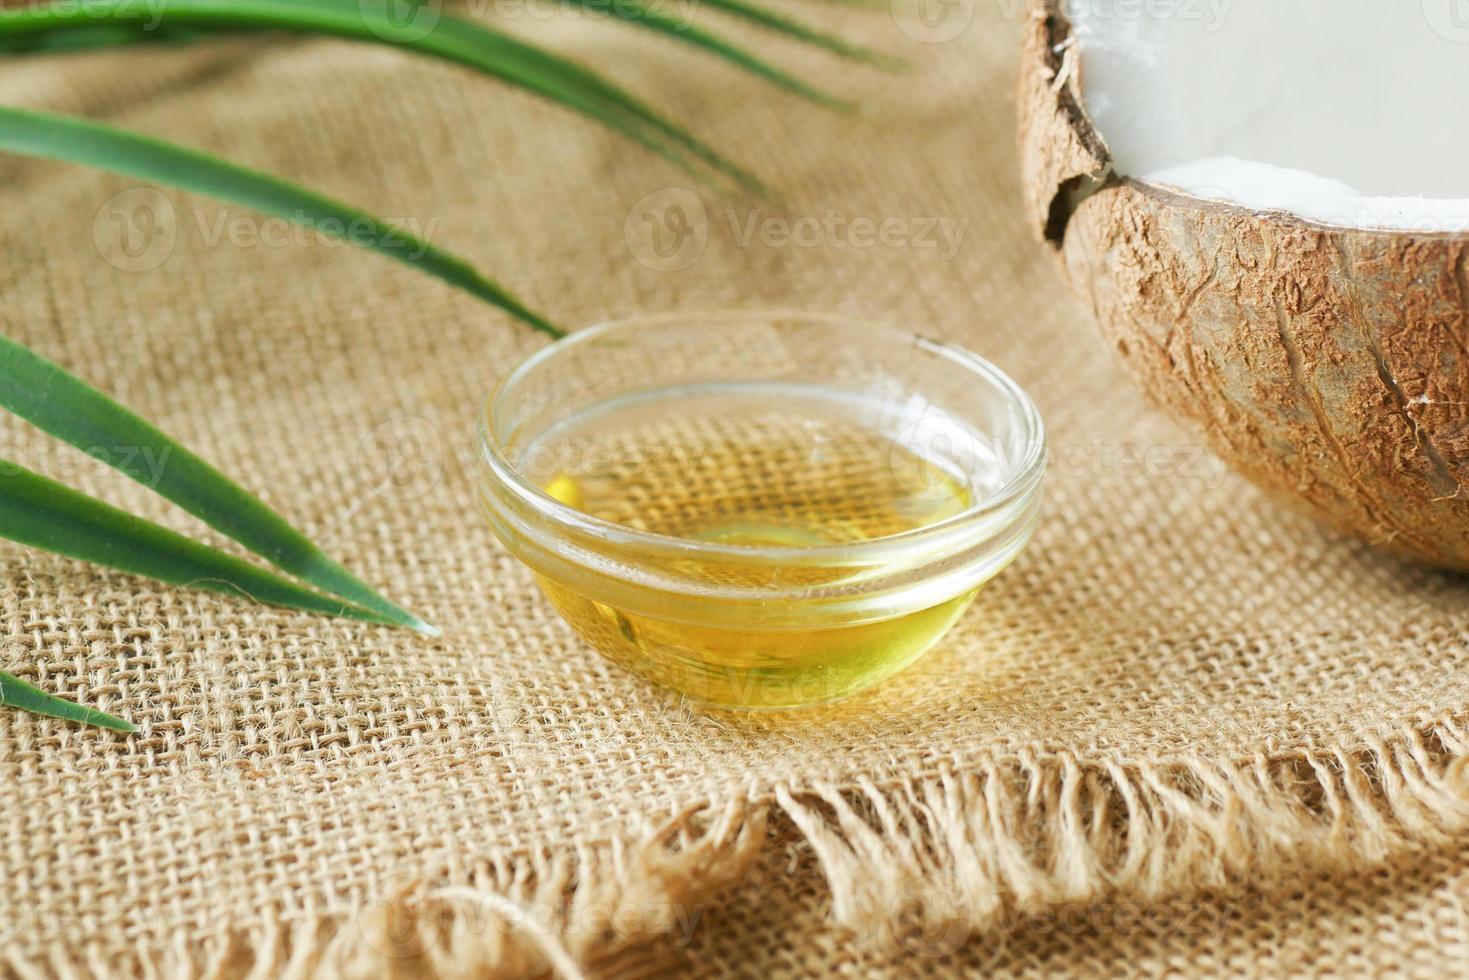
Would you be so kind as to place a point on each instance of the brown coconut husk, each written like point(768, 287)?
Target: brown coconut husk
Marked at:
point(1330, 365)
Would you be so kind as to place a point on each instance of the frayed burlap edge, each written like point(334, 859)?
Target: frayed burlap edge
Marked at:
point(970, 849)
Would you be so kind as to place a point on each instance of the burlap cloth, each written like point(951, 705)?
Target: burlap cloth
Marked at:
point(1181, 690)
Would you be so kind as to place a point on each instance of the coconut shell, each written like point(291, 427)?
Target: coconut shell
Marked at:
point(1327, 364)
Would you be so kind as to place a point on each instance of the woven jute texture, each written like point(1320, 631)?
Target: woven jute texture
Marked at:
point(1405, 918)
point(1181, 689)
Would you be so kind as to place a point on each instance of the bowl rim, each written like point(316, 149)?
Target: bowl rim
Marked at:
point(1022, 481)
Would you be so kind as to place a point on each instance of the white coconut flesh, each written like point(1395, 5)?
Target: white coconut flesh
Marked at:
point(1352, 113)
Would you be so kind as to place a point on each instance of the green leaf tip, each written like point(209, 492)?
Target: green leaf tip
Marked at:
point(63, 405)
point(16, 693)
point(39, 512)
point(427, 629)
point(645, 14)
point(793, 28)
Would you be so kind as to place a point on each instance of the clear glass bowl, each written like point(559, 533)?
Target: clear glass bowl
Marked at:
point(760, 510)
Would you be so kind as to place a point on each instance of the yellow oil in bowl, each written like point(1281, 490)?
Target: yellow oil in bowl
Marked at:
point(759, 543)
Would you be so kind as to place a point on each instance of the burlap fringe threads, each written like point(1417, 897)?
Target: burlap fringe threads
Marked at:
point(956, 854)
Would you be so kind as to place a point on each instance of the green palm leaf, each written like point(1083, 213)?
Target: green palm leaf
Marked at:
point(639, 12)
point(795, 29)
point(85, 37)
point(55, 137)
point(38, 511)
point(448, 38)
point(16, 693)
point(68, 408)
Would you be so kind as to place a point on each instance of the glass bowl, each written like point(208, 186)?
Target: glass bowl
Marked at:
point(760, 510)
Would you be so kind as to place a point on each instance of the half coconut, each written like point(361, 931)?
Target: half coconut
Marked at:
point(1264, 207)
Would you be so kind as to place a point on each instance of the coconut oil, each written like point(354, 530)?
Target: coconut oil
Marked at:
point(757, 469)
point(760, 509)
